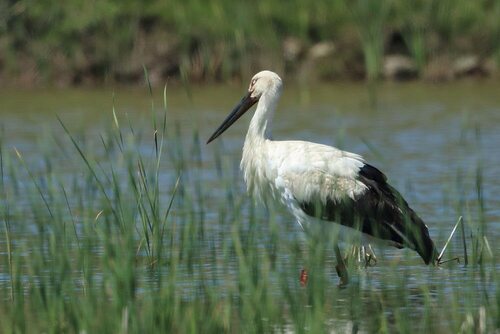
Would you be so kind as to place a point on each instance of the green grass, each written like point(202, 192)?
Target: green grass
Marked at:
point(77, 43)
point(98, 238)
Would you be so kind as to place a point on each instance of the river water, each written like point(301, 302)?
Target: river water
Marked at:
point(432, 141)
point(424, 137)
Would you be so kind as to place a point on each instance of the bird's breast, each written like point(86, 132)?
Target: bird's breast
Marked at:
point(257, 170)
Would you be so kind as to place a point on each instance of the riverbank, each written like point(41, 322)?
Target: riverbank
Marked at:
point(78, 44)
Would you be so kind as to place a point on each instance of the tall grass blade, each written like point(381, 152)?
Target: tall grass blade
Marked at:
point(464, 244)
point(91, 169)
point(449, 239)
point(37, 186)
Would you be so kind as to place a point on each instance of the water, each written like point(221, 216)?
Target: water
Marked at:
point(430, 140)
point(422, 136)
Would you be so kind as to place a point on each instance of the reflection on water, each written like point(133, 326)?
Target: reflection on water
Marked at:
point(431, 141)
point(423, 137)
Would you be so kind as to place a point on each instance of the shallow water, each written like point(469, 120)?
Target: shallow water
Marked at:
point(430, 140)
point(423, 137)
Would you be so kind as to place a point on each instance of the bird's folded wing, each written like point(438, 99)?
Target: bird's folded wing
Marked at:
point(360, 198)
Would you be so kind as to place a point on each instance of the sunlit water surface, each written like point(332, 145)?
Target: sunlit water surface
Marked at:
point(429, 139)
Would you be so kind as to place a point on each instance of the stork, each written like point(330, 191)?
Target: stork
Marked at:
point(320, 183)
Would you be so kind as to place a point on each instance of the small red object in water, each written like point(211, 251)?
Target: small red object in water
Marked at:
point(303, 277)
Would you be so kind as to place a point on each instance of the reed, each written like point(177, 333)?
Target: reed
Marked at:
point(108, 241)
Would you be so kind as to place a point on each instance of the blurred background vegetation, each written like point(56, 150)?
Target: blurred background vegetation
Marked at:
point(77, 42)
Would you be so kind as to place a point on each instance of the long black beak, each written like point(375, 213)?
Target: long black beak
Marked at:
point(246, 102)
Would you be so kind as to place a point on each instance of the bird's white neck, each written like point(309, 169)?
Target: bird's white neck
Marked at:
point(261, 123)
point(254, 149)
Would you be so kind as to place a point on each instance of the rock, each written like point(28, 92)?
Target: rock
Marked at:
point(439, 69)
point(399, 67)
point(321, 50)
point(292, 49)
point(490, 67)
point(317, 55)
point(467, 65)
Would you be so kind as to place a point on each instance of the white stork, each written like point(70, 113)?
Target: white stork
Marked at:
point(322, 183)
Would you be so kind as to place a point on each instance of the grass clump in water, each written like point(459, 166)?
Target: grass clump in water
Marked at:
point(125, 231)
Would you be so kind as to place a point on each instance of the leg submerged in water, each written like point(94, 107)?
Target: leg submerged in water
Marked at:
point(341, 267)
point(364, 254)
point(303, 277)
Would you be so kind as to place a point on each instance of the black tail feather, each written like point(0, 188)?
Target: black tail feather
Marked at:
point(381, 212)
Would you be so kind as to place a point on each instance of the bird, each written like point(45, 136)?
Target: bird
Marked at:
point(322, 184)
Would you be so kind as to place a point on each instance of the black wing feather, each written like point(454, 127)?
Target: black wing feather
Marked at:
point(380, 212)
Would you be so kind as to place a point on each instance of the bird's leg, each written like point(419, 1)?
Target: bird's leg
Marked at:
point(303, 277)
point(361, 252)
point(341, 267)
point(364, 254)
point(370, 258)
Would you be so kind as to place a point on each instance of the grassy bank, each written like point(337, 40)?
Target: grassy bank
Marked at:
point(97, 238)
point(109, 41)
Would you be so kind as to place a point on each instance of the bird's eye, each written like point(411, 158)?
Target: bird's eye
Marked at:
point(254, 81)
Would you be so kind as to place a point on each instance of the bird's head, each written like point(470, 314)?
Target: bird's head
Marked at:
point(264, 82)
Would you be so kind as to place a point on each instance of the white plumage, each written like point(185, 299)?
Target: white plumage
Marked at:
point(319, 182)
point(297, 171)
